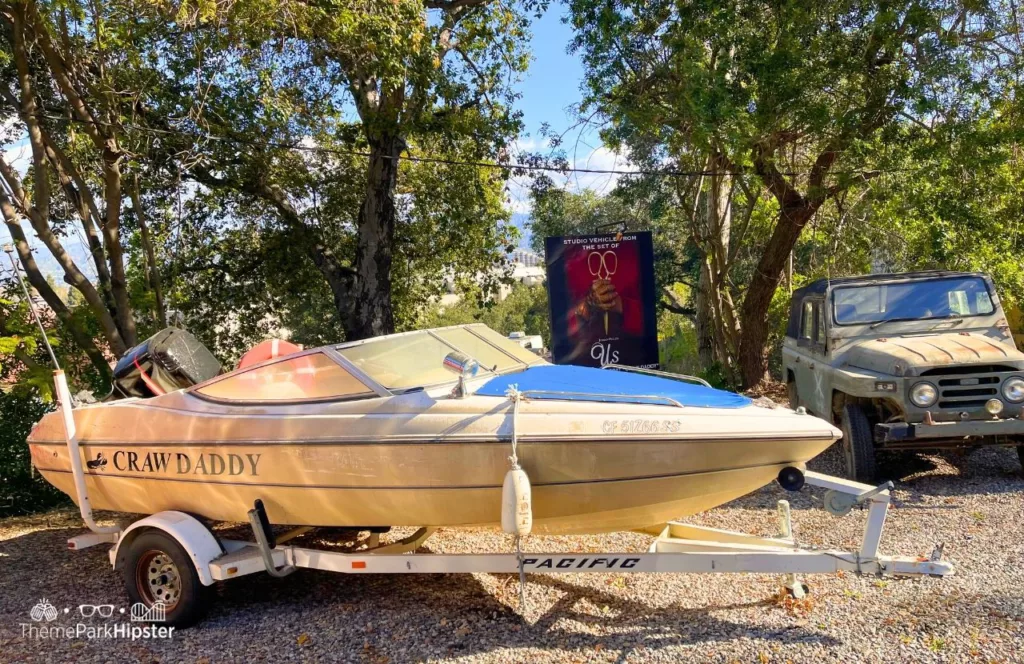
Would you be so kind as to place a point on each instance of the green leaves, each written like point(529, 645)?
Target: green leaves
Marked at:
point(817, 99)
point(20, 491)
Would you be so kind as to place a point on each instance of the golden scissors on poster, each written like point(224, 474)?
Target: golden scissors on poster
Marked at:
point(603, 268)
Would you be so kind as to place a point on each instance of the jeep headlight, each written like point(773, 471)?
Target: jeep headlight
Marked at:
point(924, 395)
point(1013, 389)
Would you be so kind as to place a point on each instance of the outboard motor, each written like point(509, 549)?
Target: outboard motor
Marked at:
point(169, 360)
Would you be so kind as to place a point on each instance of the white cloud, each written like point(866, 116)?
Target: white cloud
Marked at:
point(600, 158)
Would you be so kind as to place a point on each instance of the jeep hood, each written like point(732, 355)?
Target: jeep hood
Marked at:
point(907, 356)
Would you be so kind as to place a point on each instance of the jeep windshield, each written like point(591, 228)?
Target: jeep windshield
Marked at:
point(954, 297)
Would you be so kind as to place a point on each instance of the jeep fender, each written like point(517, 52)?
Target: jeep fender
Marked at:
point(858, 386)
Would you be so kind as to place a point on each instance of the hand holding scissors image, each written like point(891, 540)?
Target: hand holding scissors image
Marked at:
point(603, 295)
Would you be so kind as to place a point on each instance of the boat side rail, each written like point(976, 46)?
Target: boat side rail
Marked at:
point(685, 378)
point(599, 397)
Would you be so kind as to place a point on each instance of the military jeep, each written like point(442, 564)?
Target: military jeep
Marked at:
point(912, 361)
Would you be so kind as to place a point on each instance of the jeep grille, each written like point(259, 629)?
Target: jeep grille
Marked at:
point(969, 369)
point(967, 388)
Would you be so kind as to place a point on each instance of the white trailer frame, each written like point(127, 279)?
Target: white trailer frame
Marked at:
point(678, 547)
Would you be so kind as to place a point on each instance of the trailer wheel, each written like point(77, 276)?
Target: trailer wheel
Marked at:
point(158, 570)
point(858, 444)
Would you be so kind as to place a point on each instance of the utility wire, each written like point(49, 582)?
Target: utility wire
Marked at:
point(453, 162)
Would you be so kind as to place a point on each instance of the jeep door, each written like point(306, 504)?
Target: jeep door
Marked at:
point(810, 361)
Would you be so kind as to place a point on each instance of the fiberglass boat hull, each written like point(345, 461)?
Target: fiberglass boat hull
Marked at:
point(417, 461)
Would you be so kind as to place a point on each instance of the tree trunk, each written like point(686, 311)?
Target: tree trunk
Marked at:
point(753, 357)
point(35, 277)
point(717, 328)
point(152, 271)
point(704, 323)
point(372, 314)
point(79, 194)
point(72, 275)
point(112, 240)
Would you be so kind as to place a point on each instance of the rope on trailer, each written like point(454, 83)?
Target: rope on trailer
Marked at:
point(515, 396)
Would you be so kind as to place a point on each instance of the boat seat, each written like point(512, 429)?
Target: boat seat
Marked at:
point(267, 350)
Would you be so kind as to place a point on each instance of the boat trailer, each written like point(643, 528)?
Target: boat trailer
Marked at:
point(677, 547)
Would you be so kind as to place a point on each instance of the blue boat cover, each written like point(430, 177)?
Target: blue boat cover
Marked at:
point(590, 381)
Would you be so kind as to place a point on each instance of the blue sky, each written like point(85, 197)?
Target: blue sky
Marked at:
point(549, 90)
point(552, 84)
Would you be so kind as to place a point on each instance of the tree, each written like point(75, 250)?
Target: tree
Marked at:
point(240, 275)
point(300, 123)
point(524, 309)
point(555, 211)
point(69, 77)
point(796, 93)
point(431, 76)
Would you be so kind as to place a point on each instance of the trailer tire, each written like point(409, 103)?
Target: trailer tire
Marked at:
point(858, 444)
point(157, 569)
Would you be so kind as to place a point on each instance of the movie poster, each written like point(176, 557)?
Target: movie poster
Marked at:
point(601, 293)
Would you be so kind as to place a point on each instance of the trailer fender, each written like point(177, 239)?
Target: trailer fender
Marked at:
point(197, 540)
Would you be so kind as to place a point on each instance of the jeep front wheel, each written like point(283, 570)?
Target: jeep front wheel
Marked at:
point(858, 444)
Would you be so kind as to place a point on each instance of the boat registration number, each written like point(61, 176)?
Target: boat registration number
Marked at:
point(641, 426)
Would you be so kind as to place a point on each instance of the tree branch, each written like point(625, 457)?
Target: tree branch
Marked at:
point(479, 75)
point(28, 113)
point(35, 277)
point(67, 87)
point(147, 245)
point(341, 278)
point(781, 188)
point(452, 5)
point(72, 274)
point(674, 303)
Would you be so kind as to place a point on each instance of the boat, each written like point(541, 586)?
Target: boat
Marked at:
point(416, 429)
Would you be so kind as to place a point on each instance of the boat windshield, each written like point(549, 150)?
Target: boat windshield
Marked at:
point(416, 359)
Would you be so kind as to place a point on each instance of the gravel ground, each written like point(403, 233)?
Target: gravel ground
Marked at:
point(973, 504)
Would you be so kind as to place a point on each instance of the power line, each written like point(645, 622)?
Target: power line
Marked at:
point(513, 166)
